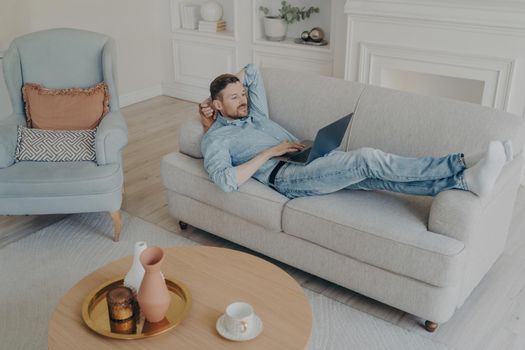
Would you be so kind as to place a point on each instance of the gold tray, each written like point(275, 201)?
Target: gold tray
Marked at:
point(96, 316)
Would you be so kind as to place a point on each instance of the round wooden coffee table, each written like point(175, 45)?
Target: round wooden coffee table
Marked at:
point(215, 277)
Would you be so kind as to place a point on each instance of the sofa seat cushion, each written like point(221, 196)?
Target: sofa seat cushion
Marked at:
point(386, 230)
point(253, 201)
point(37, 179)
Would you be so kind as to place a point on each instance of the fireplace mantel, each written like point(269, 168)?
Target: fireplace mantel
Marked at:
point(468, 50)
point(507, 17)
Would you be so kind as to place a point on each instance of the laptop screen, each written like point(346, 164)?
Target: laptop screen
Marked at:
point(329, 137)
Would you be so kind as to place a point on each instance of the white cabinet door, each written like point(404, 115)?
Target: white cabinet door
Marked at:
point(197, 63)
point(197, 60)
point(311, 63)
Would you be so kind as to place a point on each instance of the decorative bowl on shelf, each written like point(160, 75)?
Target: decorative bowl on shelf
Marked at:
point(305, 35)
point(316, 35)
point(309, 42)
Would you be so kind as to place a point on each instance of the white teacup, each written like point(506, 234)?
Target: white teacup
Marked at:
point(238, 319)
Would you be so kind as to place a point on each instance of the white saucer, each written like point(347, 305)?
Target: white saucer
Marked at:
point(253, 332)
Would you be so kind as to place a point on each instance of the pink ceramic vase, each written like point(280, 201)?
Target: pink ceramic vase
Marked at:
point(153, 295)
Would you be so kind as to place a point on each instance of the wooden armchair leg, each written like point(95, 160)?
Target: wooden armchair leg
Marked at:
point(117, 223)
point(431, 326)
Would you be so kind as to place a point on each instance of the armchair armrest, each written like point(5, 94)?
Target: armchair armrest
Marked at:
point(458, 213)
point(112, 136)
point(8, 138)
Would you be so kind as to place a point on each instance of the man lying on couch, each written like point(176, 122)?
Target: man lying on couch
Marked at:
point(240, 141)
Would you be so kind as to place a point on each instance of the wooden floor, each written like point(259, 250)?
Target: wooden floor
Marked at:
point(492, 318)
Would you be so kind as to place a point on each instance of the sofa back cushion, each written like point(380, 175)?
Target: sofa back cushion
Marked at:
point(303, 103)
point(393, 121)
point(415, 125)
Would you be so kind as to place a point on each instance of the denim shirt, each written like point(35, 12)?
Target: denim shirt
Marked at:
point(229, 143)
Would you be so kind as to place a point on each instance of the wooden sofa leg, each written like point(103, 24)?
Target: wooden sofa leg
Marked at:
point(183, 225)
point(431, 326)
point(117, 222)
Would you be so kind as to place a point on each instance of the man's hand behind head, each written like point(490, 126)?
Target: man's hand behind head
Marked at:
point(207, 114)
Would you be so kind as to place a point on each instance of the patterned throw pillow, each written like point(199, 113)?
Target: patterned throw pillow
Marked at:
point(55, 145)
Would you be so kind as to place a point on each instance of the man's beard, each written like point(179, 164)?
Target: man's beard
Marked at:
point(237, 114)
point(242, 108)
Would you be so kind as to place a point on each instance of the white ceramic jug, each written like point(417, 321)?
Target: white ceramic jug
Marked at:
point(135, 274)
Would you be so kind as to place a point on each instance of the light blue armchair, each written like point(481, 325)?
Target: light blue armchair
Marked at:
point(62, 58)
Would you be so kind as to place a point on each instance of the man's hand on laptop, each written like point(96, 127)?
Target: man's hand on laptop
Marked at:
point(285, 147)
point(207, 113)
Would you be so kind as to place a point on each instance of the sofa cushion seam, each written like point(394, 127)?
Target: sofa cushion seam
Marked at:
point(323, 247)
point(370, 264)
point(381, 237)
point(213, 206)
point(62, 180)
point(115, 189)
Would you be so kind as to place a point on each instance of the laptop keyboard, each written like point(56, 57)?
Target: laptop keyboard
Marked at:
point(301, 157)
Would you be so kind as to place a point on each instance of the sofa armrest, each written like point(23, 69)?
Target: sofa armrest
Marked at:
point(112, 136)
point(456, 213)
point(8, 138)
point(190, 137)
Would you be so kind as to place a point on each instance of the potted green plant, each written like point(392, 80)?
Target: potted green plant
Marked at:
point(275, 27)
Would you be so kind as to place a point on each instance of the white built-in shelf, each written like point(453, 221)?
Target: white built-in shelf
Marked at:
point(289, 43)
point(229, 8)
point(198, 57)
point(226, 35)
point(323, 19)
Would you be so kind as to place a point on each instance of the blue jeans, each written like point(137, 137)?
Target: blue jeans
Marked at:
point(372, 169)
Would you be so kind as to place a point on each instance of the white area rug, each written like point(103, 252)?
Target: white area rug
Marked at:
point(36, 271)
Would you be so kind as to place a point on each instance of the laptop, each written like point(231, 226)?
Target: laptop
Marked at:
point(326, 140)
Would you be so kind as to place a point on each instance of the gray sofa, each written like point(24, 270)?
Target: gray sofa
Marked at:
point(422, 255)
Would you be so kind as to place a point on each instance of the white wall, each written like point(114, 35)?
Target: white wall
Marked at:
point(136, 25)
point(166, 48)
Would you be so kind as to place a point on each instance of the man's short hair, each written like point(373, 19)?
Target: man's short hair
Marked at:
point(219, 83)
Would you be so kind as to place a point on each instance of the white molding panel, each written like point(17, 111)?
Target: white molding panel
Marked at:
point(494, 72)
point(297, 61)
point(192, 63)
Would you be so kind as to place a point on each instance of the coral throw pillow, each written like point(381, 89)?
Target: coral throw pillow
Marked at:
point(65, 109)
